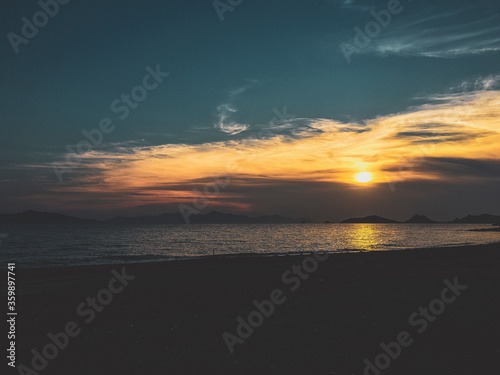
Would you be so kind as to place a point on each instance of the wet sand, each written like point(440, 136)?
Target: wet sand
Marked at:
point(171, 318)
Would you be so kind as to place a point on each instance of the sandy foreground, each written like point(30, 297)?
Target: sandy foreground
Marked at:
point(170, 317)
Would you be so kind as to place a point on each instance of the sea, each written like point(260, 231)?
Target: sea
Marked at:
point(40, 246)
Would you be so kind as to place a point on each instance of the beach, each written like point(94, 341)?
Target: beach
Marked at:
point(330, 316)
point(250, 187)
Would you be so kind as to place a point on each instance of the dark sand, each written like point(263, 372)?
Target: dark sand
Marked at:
point(171, 318)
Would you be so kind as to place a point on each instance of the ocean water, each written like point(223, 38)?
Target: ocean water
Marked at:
point(70, 245)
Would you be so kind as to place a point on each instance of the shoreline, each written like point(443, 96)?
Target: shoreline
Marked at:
point(172, 316)
point(255, 255)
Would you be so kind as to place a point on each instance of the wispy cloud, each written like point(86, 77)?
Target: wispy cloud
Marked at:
point(225, 124)
point(447, 127)
point(226, 111)
point(443, 35)
point(491, 82)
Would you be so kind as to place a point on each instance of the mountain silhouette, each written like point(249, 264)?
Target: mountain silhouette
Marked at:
point(213, 217)
point(373, 219)
point(478, 219)
point(419, 219)
point(36, 217)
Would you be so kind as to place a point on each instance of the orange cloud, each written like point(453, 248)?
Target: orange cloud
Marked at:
point(458, 125)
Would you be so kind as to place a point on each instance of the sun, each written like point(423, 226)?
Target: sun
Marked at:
point(364, 177)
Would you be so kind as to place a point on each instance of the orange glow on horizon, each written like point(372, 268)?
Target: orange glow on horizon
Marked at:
point(390, 147)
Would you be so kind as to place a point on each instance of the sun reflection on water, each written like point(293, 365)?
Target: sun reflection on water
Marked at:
point(364, 237)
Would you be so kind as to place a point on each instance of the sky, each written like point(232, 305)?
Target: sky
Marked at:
point(259, 107)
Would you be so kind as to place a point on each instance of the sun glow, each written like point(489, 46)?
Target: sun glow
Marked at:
point(408, 146)
point(364, 177)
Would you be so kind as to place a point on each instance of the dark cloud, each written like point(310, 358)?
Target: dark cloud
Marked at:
point(441, 200)
point(452, 167)
point(430, 137)
point(462, 167)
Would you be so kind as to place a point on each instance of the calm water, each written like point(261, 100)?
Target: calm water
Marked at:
point(56, 245)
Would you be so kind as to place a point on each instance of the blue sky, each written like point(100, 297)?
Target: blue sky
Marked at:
point(227, 78)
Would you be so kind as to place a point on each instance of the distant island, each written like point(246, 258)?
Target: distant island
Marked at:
point(36, 217)
point(478, 219)
point(420, 219)
point(373, 219)
point(214, 217)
